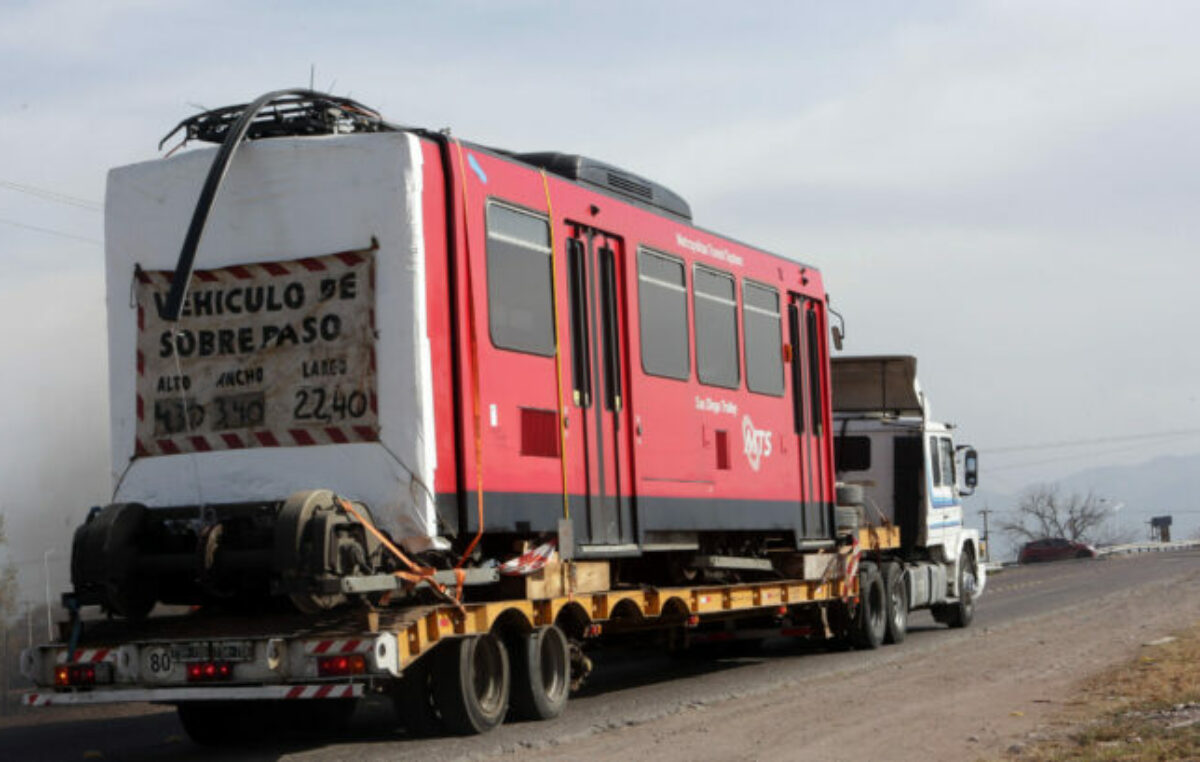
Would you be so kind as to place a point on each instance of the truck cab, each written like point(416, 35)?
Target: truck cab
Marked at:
point(911, 473)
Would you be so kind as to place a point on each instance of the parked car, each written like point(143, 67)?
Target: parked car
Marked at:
point(1054, 549)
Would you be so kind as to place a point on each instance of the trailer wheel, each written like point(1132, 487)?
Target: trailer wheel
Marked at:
point(413, 700)
point(897, 603)
point(541, 674)
point(472, 684)
point(870, 619)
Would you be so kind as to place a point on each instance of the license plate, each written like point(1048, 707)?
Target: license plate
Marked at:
point(216, 650)
point(232, 650)
point(198, 651)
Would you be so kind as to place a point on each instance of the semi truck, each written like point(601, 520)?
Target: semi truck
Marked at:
point(396, 413)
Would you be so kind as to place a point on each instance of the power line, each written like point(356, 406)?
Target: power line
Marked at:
point(48, 231)
point(49, 195)
point(1096, 440)
point(1061, 458)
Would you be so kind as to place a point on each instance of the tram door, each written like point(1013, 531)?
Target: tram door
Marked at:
point(808, 416)
point(599, 357)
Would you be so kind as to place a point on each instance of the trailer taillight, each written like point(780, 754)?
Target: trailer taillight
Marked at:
point(341, 666)
point(70, 675)
point(208, 671)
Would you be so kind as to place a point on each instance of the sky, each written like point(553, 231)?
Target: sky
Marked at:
point(1006, 190)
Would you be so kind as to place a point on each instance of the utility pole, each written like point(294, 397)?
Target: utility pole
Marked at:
point(46, 571)
point(987, 546)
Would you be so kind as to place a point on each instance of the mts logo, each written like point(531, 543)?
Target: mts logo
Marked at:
point(756, 443)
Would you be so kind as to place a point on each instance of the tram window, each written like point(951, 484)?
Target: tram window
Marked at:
point(715, 307)
point(662, 309)
point(520, 312)
point(764, 339)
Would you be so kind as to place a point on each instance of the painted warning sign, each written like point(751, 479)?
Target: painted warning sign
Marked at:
point(270, 354)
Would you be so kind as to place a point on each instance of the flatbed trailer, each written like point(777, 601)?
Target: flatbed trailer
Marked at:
point(220, 665)
point(291, 656)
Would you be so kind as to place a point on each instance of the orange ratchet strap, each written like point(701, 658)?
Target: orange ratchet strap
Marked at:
point(416, 572)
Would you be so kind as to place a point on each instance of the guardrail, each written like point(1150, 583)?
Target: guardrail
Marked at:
point(1146, 547)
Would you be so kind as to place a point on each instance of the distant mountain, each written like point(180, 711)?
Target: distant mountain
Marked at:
point(1166, 486)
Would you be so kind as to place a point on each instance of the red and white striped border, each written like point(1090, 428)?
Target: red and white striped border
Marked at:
point(244, 272)
point(263, 438)
point(88, 656)
point(320, 692)
point(342, 646)
point(207, 693)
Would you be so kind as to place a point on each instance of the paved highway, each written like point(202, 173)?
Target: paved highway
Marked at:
point(627, 689)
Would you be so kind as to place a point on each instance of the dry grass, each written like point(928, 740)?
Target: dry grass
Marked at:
point(1148, 709)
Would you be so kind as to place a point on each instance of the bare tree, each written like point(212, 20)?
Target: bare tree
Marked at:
point(1044, 512)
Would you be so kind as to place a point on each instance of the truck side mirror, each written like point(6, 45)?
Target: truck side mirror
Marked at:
point(970, 470)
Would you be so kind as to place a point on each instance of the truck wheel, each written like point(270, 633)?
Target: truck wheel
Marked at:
point(541, 674)
point(413, 700)
point(961, 612)
point(870, 619)
point(472, 684)
point(897, 603)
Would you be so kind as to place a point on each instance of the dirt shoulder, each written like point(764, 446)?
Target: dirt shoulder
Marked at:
point(1145, 709)
point(971, 698)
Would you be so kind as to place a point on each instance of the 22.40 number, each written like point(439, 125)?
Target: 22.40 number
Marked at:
point(316, 403)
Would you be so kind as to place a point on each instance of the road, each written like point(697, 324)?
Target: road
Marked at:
point(633, 695)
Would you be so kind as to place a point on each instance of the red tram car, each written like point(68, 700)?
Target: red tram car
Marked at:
point(691, 370)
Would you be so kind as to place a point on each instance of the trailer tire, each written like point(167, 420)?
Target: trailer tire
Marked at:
point(897, 602)
point(541, 674)
point(473, 683)
point(413, 701)
point(870, 617)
